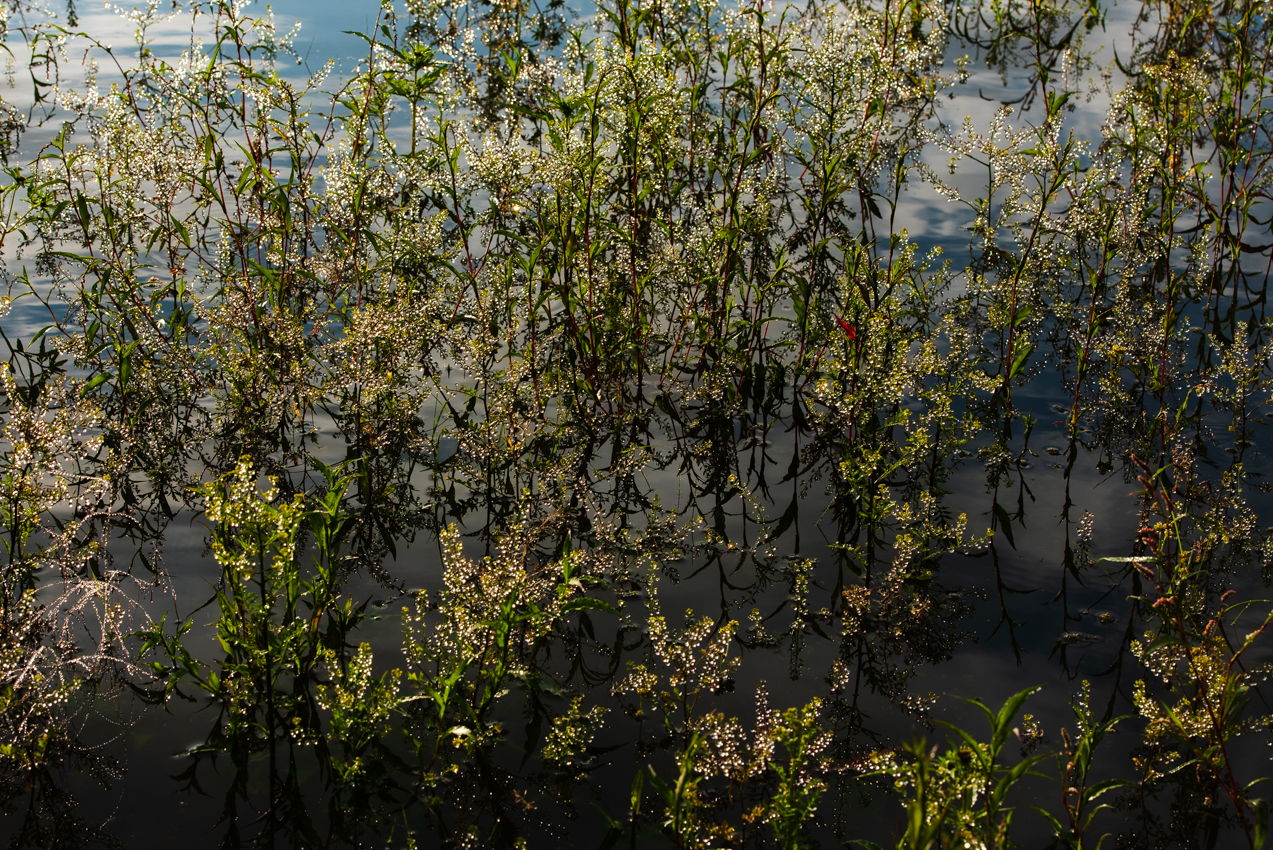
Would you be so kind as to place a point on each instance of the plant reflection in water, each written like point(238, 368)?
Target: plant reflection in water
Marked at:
point(598, 319)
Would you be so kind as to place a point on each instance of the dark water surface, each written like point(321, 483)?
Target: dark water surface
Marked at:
point(1029, 605)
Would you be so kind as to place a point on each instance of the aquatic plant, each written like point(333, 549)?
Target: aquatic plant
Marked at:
point(527, 328)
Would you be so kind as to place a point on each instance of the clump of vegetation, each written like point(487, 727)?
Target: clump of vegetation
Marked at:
point(594, 316)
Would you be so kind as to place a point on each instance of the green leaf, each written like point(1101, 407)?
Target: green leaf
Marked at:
point(1052, 819)
point(588, 603)
point(972, 742)
point(667, 792)
point(1107, 785)
point(1019, 362)
point(1008, 712)
point(1012, 776)
point(96, 382)
point(638, 783)
point(81, 206)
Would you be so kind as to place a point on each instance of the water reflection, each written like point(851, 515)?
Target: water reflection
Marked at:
point(681, 524)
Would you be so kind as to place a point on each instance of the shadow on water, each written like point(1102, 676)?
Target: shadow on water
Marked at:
point(550, 441)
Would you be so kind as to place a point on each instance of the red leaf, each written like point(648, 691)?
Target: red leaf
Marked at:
point(848, 329)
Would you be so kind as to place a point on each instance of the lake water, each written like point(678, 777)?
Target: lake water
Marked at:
point(1030, 605)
